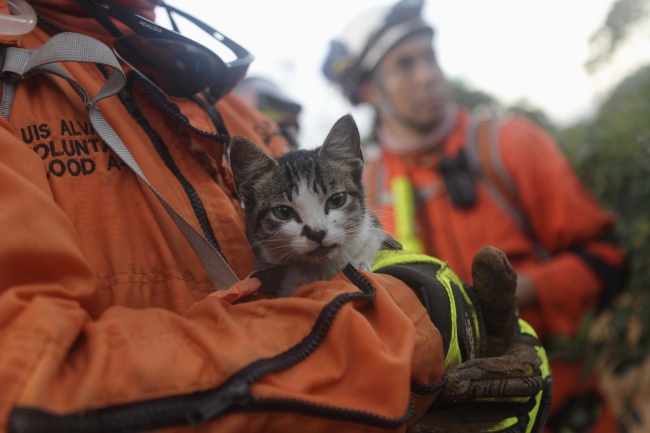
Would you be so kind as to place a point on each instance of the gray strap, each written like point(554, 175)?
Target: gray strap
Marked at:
point(480, 114)
point(8, 92)
point(220, 273)
point(484, 115)
point(515, 213)
point(495, 157)
point(74, 47)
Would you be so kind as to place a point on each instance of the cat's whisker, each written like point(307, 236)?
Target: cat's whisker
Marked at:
point(282, 251)
point(311, 194)
point(249, 247)
point(287, 255)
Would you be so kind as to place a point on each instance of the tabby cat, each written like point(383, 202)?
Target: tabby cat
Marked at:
point(306, 210)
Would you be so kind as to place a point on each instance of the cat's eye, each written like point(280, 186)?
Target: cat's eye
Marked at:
point(283, 212)
point(337, 200)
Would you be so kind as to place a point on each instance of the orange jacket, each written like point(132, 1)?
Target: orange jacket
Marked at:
point(105, 310)
point(562, 212)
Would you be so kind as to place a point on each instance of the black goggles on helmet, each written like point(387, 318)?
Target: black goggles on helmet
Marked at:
point(177, 65)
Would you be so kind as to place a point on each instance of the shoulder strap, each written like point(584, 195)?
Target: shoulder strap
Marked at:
point(372, 174)
point(489, 158)
point(484, 156)
point(20, 63)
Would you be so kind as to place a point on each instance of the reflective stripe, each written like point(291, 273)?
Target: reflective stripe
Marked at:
point(445, 276)
point(484, 155)
point(544, 368)
point(404, 205)
point(400, 195)
point(532, 415)
point(406, 201)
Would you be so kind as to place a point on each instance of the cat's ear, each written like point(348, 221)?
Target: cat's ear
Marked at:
point(343, 140)
point(248, 161)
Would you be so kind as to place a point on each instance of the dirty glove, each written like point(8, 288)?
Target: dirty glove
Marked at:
point(497, 372)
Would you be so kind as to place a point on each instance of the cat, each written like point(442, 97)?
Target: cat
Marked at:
point(306, 210)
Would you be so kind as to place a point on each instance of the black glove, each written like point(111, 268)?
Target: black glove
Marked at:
point(497, 373)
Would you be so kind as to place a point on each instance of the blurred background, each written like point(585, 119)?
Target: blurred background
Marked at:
point(580, 68)
point(518, 51)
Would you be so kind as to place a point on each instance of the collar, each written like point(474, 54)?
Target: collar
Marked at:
point(430, 155)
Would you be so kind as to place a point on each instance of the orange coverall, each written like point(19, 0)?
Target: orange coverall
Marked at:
point(561, 211)
point(105, 307)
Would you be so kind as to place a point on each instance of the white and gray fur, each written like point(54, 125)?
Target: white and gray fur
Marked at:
point(306, 210)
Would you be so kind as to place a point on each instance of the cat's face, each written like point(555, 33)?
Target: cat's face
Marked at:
point(306, 206)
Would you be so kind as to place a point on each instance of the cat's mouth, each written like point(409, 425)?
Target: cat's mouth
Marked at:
point(322, 250)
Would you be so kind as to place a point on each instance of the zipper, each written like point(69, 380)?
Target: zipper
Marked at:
point(234, 395)
point(427, 388)
point(231, 397)
point(295, 354)
point(172, 110)
point(126, 96)
point(324, 411)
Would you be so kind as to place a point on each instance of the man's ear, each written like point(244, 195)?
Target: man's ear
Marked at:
point(369, 92)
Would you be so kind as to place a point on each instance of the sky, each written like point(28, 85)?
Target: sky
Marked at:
point(512, 49)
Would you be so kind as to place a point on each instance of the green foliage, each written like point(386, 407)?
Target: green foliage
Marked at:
point(611, 153)
point(535, 114)
point(470, 98)
point(623, 18)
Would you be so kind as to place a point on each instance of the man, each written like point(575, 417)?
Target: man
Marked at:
point(425, 189)
point(124, 302)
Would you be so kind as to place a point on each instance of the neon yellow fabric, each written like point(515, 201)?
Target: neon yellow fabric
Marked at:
point(545, 369)
point(404, 206)
point(506, 423)
point(453, 357)
point(445, 276)
point(404, 257)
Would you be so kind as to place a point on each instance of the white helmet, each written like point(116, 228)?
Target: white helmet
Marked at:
point(366, 40)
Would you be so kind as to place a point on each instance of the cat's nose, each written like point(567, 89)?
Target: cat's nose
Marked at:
point(314, 235)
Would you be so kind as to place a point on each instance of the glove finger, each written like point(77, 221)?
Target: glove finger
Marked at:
point(491, 388)
point(495, 285)
point(515, 374)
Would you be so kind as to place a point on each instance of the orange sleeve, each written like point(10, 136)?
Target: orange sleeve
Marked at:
point(60, 354)
point(563, 214)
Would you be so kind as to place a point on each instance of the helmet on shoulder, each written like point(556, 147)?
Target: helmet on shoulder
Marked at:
point(365, 41)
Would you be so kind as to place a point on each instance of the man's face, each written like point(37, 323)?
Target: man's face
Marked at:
point(409, 85)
